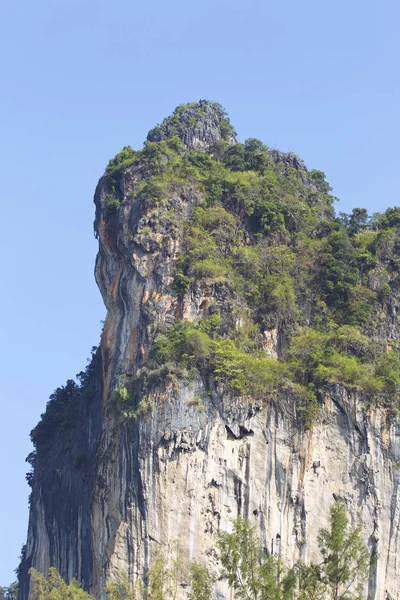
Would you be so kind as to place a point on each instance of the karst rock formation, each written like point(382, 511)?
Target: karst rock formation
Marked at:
point(171, 433)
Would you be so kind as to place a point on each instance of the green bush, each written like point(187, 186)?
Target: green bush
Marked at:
point(208, 269)
point(389, 219)
point(63, 408)
point(360, 306)
point(184, 343)
point(250, 374)
point(124, 159)
point(319, 179)
point(200, 160)
point(339, 270)
point(227, 131)
point(53, 587)
point(111, 206)
point(342, 355)
point(60, 416)
point(356, 222)
point(199, 244)
point(233, 158)
point(256, 156)
point(247, 374)
point(153, 193)
point(308, 408)
point(388, 372)
point(181, 284)
point(268, 217)
point(123, 401)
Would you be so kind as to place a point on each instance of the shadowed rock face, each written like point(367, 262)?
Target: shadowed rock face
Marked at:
point(184, 468)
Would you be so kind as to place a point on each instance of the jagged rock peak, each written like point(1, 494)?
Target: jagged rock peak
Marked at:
point(198, 124)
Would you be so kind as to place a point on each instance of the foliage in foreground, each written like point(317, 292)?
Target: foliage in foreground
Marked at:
point(55, 588)
point(9, 592)
point(254, 575)
point(346, 559)
point(246, 567)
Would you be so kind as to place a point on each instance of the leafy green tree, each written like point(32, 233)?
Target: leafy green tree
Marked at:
point(234, 157)
point(249, 570)
point(158, 578)
point(181, 284)
point(227, 131)
point(201, 582)
point(13, 591)
point(111, 206)
point(268, 217)
point(310, 583)
point(10, 592)
point(200, 160)
point(177, 568)
point(339, 271)
point(355, 222)
point(122, 589)
point(53, 587)
point(360, 306)
point(346, 558)
point(388, 372)
point(319, 179)
point(256, 155)
point(390, 218)
point(162, 580)
point(121, 160)
point(60, 415)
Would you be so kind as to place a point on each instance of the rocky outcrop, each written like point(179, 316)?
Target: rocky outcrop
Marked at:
point(199, 125)
point(192, 458)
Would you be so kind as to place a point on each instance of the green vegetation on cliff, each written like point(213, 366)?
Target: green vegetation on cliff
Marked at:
point(62, 409)
point(264, 236)
point(262, 239)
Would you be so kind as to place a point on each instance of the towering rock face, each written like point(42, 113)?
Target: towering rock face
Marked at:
point(150, 450)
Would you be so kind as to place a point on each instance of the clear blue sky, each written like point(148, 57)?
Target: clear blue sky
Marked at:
point(82, 78)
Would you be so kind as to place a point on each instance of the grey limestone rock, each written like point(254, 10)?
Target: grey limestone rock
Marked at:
point(199, 125)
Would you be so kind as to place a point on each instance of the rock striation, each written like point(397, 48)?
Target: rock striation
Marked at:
point(116, 486)
point(199, 125)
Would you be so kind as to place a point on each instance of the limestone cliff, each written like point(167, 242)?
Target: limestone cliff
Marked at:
point(150, 454)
